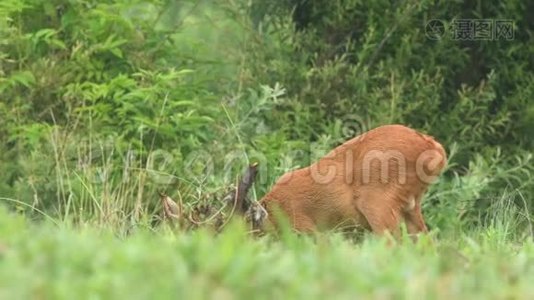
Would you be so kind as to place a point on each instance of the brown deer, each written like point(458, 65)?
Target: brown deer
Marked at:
point(375, 181)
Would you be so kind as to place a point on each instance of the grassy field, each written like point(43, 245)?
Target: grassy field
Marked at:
point(63, 261)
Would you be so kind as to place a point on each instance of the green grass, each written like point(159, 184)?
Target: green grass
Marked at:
point(45, 261)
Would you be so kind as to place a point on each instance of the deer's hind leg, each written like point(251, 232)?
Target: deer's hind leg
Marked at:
point(383, 214)
point(413, 217)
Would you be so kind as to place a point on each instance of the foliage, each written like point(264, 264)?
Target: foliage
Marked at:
point(62, 263)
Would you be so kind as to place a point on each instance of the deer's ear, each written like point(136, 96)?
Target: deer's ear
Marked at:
point(247, 204)
point(242, 201)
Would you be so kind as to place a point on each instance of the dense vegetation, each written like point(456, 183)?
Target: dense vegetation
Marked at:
point(105, 103)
